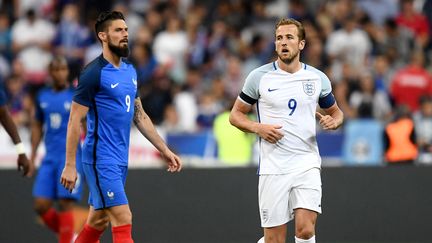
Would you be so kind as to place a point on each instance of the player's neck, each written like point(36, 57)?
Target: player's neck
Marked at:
point(111, 58)
point(292, 67)
point(60, 87)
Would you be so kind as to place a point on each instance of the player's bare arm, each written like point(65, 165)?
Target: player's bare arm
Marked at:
point(239, 119)
point(8, 124)
point(145, 126)
point(36, 138)
point(69, 174)
point(333, 118)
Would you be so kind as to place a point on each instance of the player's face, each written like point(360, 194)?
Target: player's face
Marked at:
point(117, 38)
point(288, 44)
point(59, 73)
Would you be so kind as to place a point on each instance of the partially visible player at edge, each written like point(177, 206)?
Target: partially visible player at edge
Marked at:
point(52, 106)
point(23, 164)
point(107, 94)
point(287, 92)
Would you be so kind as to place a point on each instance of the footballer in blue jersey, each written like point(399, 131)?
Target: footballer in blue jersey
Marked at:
point(23, 163)
point(107, 96)
point(52, 107)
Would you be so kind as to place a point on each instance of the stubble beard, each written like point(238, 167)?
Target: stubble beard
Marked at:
point(289, 59)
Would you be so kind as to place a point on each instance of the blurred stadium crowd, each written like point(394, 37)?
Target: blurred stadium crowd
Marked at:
point(192, 56)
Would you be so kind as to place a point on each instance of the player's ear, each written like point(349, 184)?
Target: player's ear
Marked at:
point(302, 44)
point(102, 36)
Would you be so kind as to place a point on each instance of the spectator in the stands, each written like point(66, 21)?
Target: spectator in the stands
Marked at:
point(234, 76)
point(348, 46)
point(369, 102)
point(423, 126)
point(170, 47)
point(411, 82)
point(5, 36)
point(186, 105)
point(31, 42)
point(235, 147)
point(19, 102)
point(378, 10)
point(208, 109)
point(415, 21)
point(156, 95)
point(72, 38)
point(398, 40)
point(400, 138)
point(144, 61)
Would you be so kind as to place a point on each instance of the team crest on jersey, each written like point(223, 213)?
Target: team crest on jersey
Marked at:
point(309, 87)
point(110, 194)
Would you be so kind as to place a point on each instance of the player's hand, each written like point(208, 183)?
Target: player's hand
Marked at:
point(173, 161)
point(32, 168)
point(326, 121)
point(24, 165)
point(270, 133)
point(69, 177)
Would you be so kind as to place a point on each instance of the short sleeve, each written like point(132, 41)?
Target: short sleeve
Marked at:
point(250, 90)
point(325, 85)
point(88, 86)
point(326, 99)
point(38, 110)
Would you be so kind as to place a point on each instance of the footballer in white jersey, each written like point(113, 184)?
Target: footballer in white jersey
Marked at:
point(286, 93)
point(289, 100)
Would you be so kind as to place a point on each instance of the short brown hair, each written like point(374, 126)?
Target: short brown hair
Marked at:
point(300, 29)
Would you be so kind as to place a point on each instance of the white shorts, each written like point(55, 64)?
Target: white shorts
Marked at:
point(279, 195)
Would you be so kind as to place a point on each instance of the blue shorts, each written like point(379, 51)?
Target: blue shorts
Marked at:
point(47, 182)
point(106, 183)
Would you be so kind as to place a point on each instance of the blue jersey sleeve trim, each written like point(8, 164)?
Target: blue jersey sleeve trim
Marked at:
point(89, 82)
point(327, 101)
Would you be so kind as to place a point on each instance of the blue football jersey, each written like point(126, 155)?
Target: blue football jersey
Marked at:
point(52, 110)
point(109, 93)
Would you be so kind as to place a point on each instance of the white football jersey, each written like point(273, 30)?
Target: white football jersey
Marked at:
point(289, 100)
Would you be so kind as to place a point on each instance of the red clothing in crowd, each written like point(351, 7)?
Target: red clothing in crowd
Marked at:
point(417, 23)
point(409, 84)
